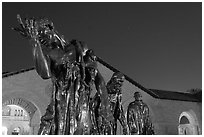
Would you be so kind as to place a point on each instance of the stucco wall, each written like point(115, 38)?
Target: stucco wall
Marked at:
point(30, 87)
point(164, 113)
point(167, 113)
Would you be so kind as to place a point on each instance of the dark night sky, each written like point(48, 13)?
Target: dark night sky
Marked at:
point(158, 45)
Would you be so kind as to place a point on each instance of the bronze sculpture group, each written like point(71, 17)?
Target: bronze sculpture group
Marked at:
point(72, 67)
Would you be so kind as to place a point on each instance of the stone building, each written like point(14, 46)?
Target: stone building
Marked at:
point(171, 112)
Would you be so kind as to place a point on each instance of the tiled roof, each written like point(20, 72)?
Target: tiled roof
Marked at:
point(160, 94)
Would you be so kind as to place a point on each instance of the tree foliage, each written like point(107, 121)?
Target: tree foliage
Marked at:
point(194, 91)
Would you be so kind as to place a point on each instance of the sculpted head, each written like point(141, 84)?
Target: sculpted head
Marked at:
point(91, 64)
point(115, 84)
point(118, 77)
point(47, 35)
point(137, 96)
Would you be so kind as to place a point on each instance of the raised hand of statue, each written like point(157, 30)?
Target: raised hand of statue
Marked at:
point(28, 29)
point(45, 40)
point(41, 31)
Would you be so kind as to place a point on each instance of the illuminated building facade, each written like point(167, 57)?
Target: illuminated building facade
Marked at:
point(25, 97)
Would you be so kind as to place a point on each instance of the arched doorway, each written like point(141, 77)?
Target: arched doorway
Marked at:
point(188, 124)
point(19, 116)
point(16, 120)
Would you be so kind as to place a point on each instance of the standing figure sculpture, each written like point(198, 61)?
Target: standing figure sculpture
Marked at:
point(138, 117)
point(68, 112)
point(94, 77)
point(115, 99)
point(114, 87)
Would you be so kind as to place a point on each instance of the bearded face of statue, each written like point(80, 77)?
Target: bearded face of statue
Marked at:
point(116, 82)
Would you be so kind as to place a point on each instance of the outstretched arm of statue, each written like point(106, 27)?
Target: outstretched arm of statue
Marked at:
point(122, 118)
point(29, 30)
point(41, 60)
point(102, 91)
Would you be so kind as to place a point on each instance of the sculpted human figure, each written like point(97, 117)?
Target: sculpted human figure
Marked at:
point(138, 117)
point(63, 62)
point(116, 109)
point(94, 77)
point(114, 87)
point(102, 125)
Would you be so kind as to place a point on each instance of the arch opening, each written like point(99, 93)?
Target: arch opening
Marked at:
point(15, 120)
point(20, 117)
point(188, 124)
point(184, 120)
